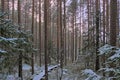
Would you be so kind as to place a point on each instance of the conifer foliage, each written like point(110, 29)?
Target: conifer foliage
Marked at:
point(12, 43)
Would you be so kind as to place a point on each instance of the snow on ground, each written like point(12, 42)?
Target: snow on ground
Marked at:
point(70, 72)
point(2, 51)
point(10, 77)
point(39, 76)
point(26, 67)
point(42, 73)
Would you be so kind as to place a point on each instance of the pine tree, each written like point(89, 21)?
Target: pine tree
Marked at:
point(14, 42)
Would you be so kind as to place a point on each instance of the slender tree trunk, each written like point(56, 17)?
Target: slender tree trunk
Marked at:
point(88, 22)
point(26, 11)
point(113, 27)
point(97, 35)
point(32, 29)
point(80, 37)
point(8, 8)
point(58, 41)
point(36, 31)
point(72, 39)
point(40, 32)
point(20, 66)
point(75, 39)
point(68, 43)
point(87, 63)
point(58, 33)
point(46, 43)
point(118, 3)
point(2, 5)
point(94, 32)
point(113, 19)
point(49, 31)
point(2, 10)
point(104, 25)
point(20, 54)
point(61, 40)
point(65, 52)
point(107, 21)
point(13, 11)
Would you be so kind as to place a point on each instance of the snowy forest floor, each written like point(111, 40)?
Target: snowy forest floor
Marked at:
point(70, 72)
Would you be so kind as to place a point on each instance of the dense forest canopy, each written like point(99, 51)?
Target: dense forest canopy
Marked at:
point(81, 36)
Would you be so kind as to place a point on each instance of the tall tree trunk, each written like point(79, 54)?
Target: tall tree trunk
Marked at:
point(49, 31)
point(68, 42)
point(2, 5)
point(72, 39)
point(26, 11)
point(104, 29)
point(13, 11)
point(58, 37)
point(80, 37)
point(46, 43)
point(88, 22)
point(20, 54)
point(113, 22)
point(118, 29)
point(97, 35)
point(76, 29)
point(113, 26)
point(40, 32)
point(2, 10)
point(58, 33)
point(32, 29)
point(107, 21)
point(61, 41)
point(35, 32)
point(104, 22)
point(8, 8)
point(65, 52)
point(87, 63)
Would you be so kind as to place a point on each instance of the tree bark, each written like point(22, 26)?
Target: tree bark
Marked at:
point(46, 43)
point(40, 32)
point(65, 52)
point(32, 29)
point(97, 35)
point(20, 54)
point(113, 26)
point(2, 5)
point(13, 11)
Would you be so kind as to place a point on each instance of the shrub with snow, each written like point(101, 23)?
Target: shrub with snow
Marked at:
point(113, 57)
point(91, 75)
point(13, 42)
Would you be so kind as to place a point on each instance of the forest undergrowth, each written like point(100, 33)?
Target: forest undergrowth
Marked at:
point(70, 72)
